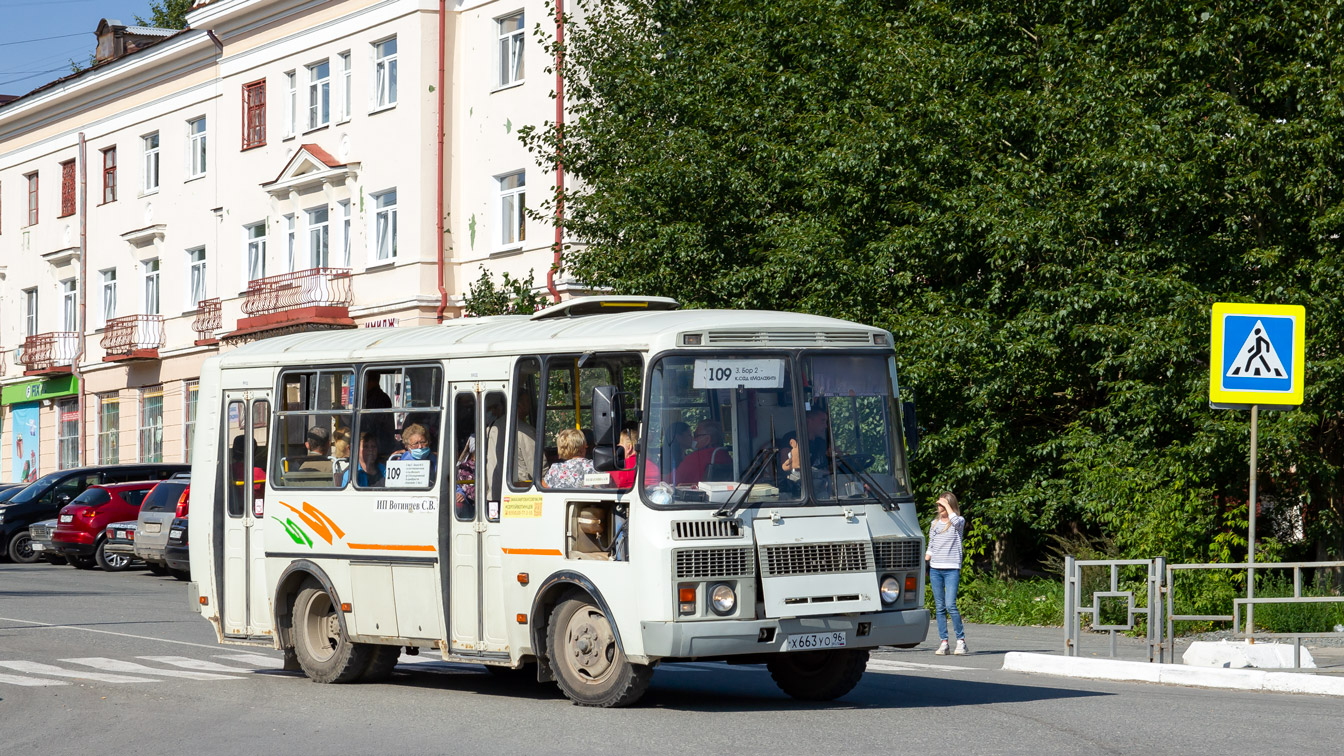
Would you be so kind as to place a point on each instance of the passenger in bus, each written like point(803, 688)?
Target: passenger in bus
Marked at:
point(238, 472)
point(495, 429)
point(464, 490)
point(573, 465)
point(370, 473)
point(709, 461)
point(524, 439)
point(416, 440)
point(318, 442)
point(625, 477)
point(818, 446)
point(340, 452)
point(677, 441)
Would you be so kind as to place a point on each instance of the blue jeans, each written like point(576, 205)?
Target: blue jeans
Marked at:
point(944, 584)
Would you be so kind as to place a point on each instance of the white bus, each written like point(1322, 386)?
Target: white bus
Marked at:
point(603, 486)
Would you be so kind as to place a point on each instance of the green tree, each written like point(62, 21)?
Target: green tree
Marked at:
point(1042, 200)
point(512, 296)
point(168, 14)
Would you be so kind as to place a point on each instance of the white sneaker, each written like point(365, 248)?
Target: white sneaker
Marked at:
point(942, 649)
point(961, 647)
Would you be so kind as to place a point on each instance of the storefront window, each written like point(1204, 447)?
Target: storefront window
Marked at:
point(67, 433)
point(190, 390)
point(109, 425)
point(151, 424)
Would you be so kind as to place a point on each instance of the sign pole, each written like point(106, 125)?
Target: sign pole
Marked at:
point(1250, 541)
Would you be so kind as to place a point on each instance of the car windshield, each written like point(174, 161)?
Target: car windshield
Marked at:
point(717, 421)
point(36, 488)
point(851, 420)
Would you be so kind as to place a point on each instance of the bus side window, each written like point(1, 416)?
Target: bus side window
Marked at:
point(523, 449)
point(491, 454)
point(400, 418)
point(237, 470)
point(318, 414)
point(464, 456)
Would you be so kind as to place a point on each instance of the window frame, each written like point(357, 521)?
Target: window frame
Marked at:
point(274, 455)
point(107, 282)
point(538, 446)
point(69, 202)
point(381, 215)
point(445, 463)
point(146, 393)
point(109, 174)
point(150, 163)
point(193, 302)
point(346, 90)
point(67, 443)
point(518, 214)
point(33, 197)
point(31, 310)
point(291, 242)
point(319, 96)
point(318, 236)
point(109, 399)
point(151, 292)
point(343, 215)
point(543, 388)
point(384, 77)
point(197, 148)
point(292, 104)
point(254, 114)
point(260, 244)
point(70, 305)
point(191, 392)
point(505, 49)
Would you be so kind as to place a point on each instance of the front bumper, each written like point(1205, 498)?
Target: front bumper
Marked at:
point(737, 637)
point(177, 558)
point(65, 548)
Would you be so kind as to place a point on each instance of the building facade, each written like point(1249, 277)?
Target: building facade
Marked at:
point(278, 166)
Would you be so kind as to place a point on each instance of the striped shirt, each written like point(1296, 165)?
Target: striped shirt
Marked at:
point(945, 543)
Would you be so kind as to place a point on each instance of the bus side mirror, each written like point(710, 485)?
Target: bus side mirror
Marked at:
point(608, 409)
point(911, 427)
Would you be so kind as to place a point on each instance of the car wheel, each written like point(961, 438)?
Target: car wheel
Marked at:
point(110, 562)
point(20, 548)
point(589, 667)
point(325, 653)
point(157, 569)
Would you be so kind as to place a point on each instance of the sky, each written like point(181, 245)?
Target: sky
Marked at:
point(63, 30)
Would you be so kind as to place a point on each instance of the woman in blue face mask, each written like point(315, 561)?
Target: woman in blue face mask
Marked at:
point(416, 440)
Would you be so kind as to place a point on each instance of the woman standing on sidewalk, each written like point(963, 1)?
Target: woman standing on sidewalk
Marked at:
point(944, 557)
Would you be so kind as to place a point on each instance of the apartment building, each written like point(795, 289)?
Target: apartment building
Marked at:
point(275, 167)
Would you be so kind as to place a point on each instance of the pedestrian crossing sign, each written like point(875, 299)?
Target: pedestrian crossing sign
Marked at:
point(1256, 355)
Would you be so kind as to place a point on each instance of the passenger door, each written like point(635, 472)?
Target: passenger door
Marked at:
point(246, 429)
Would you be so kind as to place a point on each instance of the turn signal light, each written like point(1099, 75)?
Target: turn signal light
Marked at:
point(911, 583)
point(205, 601)
point(345, 607)
point(522, 619)
point(522, 580)
point(686, 595)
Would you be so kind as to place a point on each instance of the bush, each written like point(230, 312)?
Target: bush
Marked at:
point(985, 599)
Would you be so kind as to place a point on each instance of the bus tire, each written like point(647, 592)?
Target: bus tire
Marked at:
point(818, 675)
point(382, 660)
point(589, 666)
point(325, 653)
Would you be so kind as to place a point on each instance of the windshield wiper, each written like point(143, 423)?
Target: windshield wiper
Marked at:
point(887, 502)
point(756, 468)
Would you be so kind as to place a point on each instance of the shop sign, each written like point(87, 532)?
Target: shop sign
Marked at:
point(32, 391)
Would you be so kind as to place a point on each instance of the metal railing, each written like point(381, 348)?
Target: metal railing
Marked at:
point(207, 321)
point(315, 287)
point(46, 351)
point(1151, 609)
point(134, 335)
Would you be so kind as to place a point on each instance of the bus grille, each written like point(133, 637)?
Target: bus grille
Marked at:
point(713, 563)
point(816, 559)
point(683, 530)
point(900, 554)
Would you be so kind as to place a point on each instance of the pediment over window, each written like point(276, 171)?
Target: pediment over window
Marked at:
point(310, 167)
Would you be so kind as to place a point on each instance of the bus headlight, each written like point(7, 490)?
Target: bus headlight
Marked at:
point(722, 599)
point(890, 590)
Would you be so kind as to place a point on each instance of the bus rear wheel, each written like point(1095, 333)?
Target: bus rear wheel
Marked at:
point(818, 675)
point(325, 653)
point(589, 666)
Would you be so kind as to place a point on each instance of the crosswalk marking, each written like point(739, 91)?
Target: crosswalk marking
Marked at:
point(200, 665)
point(256, 660)
point(32, 682)
point(48, 669)
point(116, 665)
point(883, 665)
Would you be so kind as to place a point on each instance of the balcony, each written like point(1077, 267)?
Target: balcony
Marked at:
point(51, 353)
point(315, 297)
point(207, 322)
point(133, 337)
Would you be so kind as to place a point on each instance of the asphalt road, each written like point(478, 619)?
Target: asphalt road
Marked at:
point(118, 663)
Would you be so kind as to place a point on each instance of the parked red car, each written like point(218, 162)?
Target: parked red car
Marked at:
point(79, 533)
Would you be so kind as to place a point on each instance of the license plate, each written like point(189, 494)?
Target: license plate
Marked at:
point(38, 547)
point(152, 527)
point(123, 534)
point(67, 518)
point(814, 641)
point(176, 535)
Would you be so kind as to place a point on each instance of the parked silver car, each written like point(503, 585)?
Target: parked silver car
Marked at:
point(120, 537)
point(40, 535)
point(165, 502)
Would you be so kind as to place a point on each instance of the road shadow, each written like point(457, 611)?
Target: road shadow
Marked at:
point(469, 678)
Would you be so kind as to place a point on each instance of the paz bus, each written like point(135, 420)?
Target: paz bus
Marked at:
point(585, 493)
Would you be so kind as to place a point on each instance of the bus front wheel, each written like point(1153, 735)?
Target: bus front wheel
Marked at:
point(325, 653)
point(818, 675)
point(589, 666)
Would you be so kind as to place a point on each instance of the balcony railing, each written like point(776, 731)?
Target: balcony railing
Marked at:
point(133, 337)
point(49, 353)
point(317, 296)
point(207, 321)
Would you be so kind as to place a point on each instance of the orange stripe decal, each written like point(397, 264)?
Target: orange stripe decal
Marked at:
point(391, 547)
point(534, 552)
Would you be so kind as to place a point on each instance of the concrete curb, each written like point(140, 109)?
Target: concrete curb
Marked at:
point(1174, 674)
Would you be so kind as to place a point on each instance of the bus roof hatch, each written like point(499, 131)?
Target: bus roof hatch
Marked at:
point(605, 306)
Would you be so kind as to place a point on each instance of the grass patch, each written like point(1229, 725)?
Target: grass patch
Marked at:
point(988, 600)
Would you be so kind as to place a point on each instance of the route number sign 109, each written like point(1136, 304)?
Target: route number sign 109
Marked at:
point(729, 374)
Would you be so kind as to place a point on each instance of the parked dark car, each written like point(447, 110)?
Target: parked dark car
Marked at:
point(80, 535)
point(9, 489)
point(43, 499)
point(166, 502)
point(120, 541)
point(40, 534)
point(176, 554)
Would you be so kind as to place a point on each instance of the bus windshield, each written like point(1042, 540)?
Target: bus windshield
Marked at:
point(716, 422)
point(851, 422)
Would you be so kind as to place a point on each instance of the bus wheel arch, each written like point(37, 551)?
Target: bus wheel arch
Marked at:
point(583, 649)
point(555, 590)
point(287, 588)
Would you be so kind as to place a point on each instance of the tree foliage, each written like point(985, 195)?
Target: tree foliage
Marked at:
point(1041, 200)
point(168, 14)
point(512, 296)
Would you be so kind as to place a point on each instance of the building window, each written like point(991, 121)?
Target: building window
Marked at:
point(67, 433)
point(109, 426)
point(109, 175)
point(30, 312)
point(254, 114)
point(196, 147)
point(345, 88)
point(195, 277)
point(70, 306)
point(291, 244)
point(385, 225)
point(109, 278)
point(291, 103)
point(385, 73)
point(190, 390)
point(319, 238)
point(344, 212)
point(150, 180)
point(151, 271)
point(319, 94)
point(67, 188)
point(512, 201)
point(32, 198)
point(255, 235)
point(511, 49)
point(151, 424)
